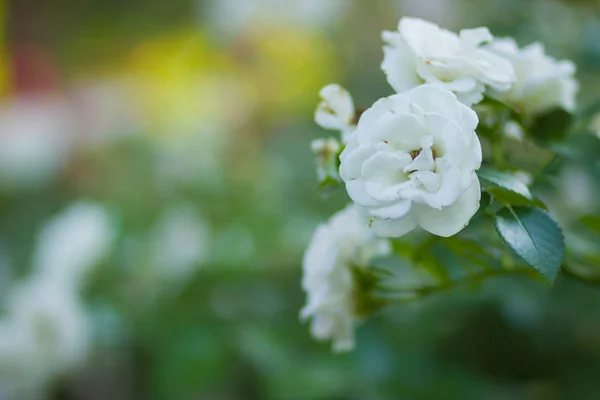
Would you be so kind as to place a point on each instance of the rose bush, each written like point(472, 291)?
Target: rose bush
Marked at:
point(413, 160)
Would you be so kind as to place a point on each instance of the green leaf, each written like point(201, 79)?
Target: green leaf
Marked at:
point(582, 147)
point(504, 181)
point(484, 203)
point(552, 126)
point(590, 111)
point(506, 189)
point(327, 186)
point(507, 197)
point(498, 104)
point(534, 236)
point(588, 272)
point(591, 222)
point(421, 256)
point(470, 251)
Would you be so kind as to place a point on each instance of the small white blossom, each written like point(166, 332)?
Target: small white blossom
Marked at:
point(326, 151)
point(542, 82)
point(35, 141)
point(524, 176)
point(180, 243)
point(422, 52)
point(577, 189)
point(344, 242)
point(336, 110)
point(411, 162)
point(325, 146)
point(595, 125)
point(513, 130)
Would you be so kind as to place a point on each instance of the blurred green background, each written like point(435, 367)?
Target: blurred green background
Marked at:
point(189, 123)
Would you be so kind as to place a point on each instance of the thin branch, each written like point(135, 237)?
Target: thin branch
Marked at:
point(406, 294)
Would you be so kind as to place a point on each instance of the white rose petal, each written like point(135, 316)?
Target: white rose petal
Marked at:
point(542, 82)
point(422, 52)
point(345, 241)
point(412, 161)
point(336, 110)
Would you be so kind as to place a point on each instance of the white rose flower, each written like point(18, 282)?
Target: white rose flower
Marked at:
point(345, 241)
point(542, 82)
point(336, 110)
point(411, 162)
point(422, 52)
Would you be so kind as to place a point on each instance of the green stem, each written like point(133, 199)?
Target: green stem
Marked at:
point(547, 168)
point(498, 152)
point(498, 138)
point(404, 295)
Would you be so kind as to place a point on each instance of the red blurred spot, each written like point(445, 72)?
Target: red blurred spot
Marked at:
point(33, 70)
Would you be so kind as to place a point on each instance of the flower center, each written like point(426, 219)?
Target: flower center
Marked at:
point(422, 169)
point(415, 153)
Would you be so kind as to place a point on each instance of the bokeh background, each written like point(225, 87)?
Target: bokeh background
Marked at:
point(155, 156)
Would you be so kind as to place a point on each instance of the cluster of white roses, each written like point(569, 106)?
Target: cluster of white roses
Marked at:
point(410, 159)
point(45, 332)
point(337, 247)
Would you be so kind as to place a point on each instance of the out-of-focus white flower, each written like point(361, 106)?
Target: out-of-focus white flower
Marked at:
point(194, 158)
point(74, 241)
point(411, 162)
point(431, 10)
point(344, 242)
point(336, 110)
point(234, 16)
point(180, 242)
point(595, 125)
point(513, 130)
point(44, 336)
point(35, 138)
point(577, 189)
point(325, 146)
point(105, 111)
point(422, 52)
point(326, 151)
point(542, 82)
point(524, 177)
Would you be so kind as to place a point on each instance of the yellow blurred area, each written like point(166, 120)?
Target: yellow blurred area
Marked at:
point(182, 80)
point(285, 66)
point(179, 81)
point(5, 77)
